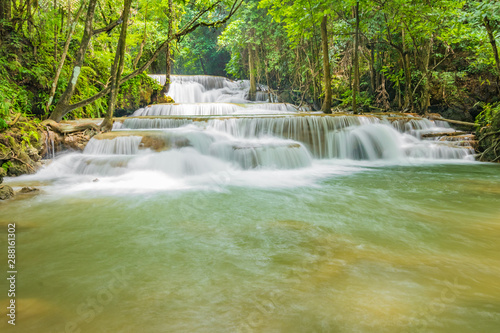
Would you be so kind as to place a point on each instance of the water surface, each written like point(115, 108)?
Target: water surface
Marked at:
point(335, 247)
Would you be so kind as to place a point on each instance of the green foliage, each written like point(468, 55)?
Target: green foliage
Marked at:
point(6, 166)
point(3, 124)
point(136, 93)
point(490, 115)
point(252, 28)
point(89, 84)
point(445, 42)
point(364, 100)
point(198, 53)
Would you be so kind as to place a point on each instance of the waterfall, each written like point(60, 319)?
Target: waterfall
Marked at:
point(280, 154)
point(50, 145)
point(151, 123)
point(206, 132)
point(118, 146)
point(187, 109)
point(210, 89)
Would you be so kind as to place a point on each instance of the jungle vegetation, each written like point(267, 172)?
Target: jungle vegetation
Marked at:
point(64, 59)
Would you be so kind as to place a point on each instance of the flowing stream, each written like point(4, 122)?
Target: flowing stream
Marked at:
point(218, 214)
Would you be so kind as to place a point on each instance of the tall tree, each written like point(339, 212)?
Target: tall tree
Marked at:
point(117, 68)
point(303, 22)
point(252, 92)
point(355, 87)
point(62, 104)
point(487, 14)
point(327, 103)
point(5, 10)
point(59, 68)
point(168, 51)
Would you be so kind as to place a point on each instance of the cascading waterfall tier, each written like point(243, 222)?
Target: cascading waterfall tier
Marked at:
point(215, 109)
point(244, 153)
point(210, 89)
point(330, 136)
point(212, 127)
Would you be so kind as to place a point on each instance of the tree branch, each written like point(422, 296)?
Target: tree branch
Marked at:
point(107, 28)
point(187, 29)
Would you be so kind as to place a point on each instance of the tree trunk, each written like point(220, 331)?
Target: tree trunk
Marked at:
point(6, 15)
point(408, 104)
point(143, 43)
point(63, 57)
point(55, 37)
point(327, 103)
point(406, 67)
point(28, 16)
point(252, 93)
point(5, 10)
point(168, 69)
point(493, 42)
point(425, 69)
point(373, 74)
point(355, 88)
point(202, 66)
point(117, 69)
point(168, 65)
point(62, 105)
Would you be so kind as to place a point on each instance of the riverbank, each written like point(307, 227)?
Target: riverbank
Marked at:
point(27, 141)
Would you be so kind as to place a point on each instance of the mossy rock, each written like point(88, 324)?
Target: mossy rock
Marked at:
point(18, 169)
point(136, 93)
point(12, 142)
point(4, 152)
point(6, 192)
point(165, 99)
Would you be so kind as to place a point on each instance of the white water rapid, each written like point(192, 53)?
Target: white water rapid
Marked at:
point(212, 128)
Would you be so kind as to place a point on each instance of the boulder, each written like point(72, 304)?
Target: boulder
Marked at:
point(6, 192)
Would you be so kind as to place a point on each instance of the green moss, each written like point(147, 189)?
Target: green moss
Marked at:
point(4, 152)
point(136, 93)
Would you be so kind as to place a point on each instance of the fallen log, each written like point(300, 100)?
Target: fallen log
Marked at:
point(64, 128)
point(447, 134)
point(458, 122)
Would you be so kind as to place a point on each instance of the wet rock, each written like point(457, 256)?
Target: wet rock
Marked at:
point(29, 190)
point(6, 192)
